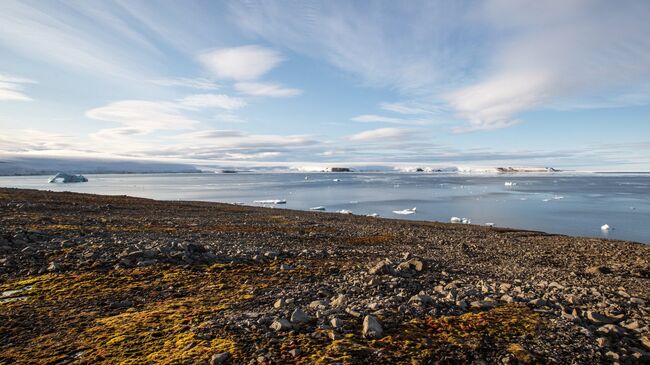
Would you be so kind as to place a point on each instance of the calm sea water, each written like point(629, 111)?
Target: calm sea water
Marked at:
point(566, 204)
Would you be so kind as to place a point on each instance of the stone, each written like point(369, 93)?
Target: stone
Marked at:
point(372, 328)
point(218, 359)
point(601, 341)
point(482, 304)
point(299, 316)
point(340, 301)
point(382, 268)
point(598, 318)
point(637, 301)
point(645, 341)
point(285, 267)
point(506, 298)
point(295, 352)
point(54, 267)
point(421, 299)
point(318, 304)
point(611, 330)
point(281, 324)
point(280, 303)
point(336, 322)
point(598, 270)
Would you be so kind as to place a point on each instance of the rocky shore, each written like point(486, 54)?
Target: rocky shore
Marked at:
point(88, 279)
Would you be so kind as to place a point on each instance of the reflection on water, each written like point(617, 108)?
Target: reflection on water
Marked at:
point(575, 205)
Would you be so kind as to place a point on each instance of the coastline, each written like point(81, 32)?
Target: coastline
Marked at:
point(203, 279)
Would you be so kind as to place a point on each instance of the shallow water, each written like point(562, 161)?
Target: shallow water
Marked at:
point(557, 203)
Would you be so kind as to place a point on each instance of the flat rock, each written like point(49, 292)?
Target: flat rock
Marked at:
point(372, 328)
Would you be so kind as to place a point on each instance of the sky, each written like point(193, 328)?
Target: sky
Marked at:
point(560, 83)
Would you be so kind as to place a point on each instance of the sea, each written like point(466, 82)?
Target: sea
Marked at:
point(561, 203)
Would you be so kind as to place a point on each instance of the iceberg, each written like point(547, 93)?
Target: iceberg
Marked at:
point(489, 224)
point(605, 227)
point(460, 220)
point(320, 207)
point(67, 178)
point(405, 211)
point(336, 180)
point(510, 183)
point(271, 201)
point(374, 215)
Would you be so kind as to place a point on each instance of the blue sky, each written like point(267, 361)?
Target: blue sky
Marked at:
point(436, 83)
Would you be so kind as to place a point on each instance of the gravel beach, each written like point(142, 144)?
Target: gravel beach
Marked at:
point(88, 279)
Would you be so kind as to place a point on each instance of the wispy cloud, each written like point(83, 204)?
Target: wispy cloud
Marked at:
point(143, 115)
point(11, 88)
point(372, 118)
point(186, 82)
point(266, 89)
point(557, 51)
point(222, 101)
point(240, 63)
point(382, 134)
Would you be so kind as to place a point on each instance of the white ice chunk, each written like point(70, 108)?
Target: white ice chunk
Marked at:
point(605, 227)
point(320, 207)
point(271, 201)
point(405, 211)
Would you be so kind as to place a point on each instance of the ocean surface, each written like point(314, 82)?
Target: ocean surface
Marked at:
point(556, 203)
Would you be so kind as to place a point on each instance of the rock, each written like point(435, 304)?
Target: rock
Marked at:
point(601, 341)
point(421, 299)
point(482, 304)
point(611, 330)
point(412, 264)
point(340, 301)
point(54, 267)
point(598, 270)
point(645, 341)
point(280, 303)
point(333, 335)
point(336, 322)
point(382, 268)
point(637, 301)
point(506, 298)
point(285, 267)
point(318, 304)
point(372, 327)
point(218, 359)
point(633, 326)
point(281, 324)
point(299, 317)
point(598, 318)
point(374, 282)
point(295, 352)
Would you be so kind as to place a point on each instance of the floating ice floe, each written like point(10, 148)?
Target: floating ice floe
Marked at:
point(405, 211)
point(67, 178)
point(271, 201)
point(460, 220)
point(374, 215)
point(605, 227)
point(510, 183)
point(344, 211)
point(336, 180)
point(354, 202)
point(320, 207)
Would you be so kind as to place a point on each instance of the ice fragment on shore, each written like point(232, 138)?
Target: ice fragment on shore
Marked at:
point(405, 211)
point(344, 211)
point(489, 224)
point(374, 215)
point(320, 207)
point(270, 201)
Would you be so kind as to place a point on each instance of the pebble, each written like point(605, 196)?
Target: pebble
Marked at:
point(299, 316)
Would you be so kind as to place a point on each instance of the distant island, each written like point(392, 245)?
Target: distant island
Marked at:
point(15, 166)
